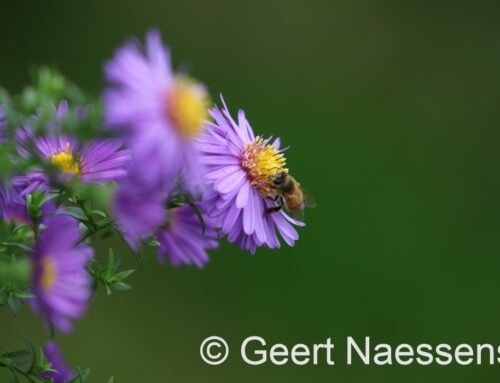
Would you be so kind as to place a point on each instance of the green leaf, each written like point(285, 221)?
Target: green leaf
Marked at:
point(103, 223)
point(74, 212)
point(108, 289)
point(110, 268)
point(81, 376)
point(176, 201)
point(18, 357)
point(19, 228)
point(124, 274)
point(120, 286)
point(31, 350)
point(99, 213)
point(23, 294)
point(34, 203)
point(118, 261)
point(18, 245)
point(108, 275)
point(41, 362)
point(13, 304)
point(48, 197)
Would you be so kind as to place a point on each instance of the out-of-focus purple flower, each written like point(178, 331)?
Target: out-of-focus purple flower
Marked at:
point(63, 372)
point(25, 137)
point(12, 206)
point(160, 113)
point(31, 181)
point(138, 211)
point(97, 161)
point(3, 125)
point(61, 283)
point(240, 165)
point(182, 239)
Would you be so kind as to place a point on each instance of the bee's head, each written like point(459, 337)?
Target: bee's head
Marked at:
point(278, 178)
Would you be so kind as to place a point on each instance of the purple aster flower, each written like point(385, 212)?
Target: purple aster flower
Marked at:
point(96, 161)
point(63, 372)
point(61, 283)
point(160, 113)
point(183, 240)
point(33, 180)
point(138, 211)
point(240, 170)
point(25, 136)
point(12, 206)
point(3, 125)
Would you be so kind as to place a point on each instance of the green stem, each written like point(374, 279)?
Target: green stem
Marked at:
point(36, 230)
point(82, 204)
point(84, 237)
point(97, 227)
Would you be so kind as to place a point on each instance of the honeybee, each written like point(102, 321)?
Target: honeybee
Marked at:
point(289, 193)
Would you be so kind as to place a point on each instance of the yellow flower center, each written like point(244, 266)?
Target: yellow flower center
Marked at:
point(66, 161)
point(48, 274)
point(260, 162)
point(187, 106)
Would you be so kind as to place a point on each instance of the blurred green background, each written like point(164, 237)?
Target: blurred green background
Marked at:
point(391, 112)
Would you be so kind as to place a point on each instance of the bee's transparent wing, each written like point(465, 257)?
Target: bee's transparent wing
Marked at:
point(309, 200)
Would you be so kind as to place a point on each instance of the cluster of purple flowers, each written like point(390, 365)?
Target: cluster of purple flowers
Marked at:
point(165, 119)
point(167, 141)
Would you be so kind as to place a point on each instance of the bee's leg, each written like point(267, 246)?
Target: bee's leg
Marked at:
point(274, 209)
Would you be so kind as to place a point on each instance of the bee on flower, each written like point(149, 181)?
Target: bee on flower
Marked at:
point(250, 183)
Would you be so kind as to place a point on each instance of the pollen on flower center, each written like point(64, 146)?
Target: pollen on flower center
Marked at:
point(48, 273)
point(187, 106)
point(65, 161)
point(260, 161)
